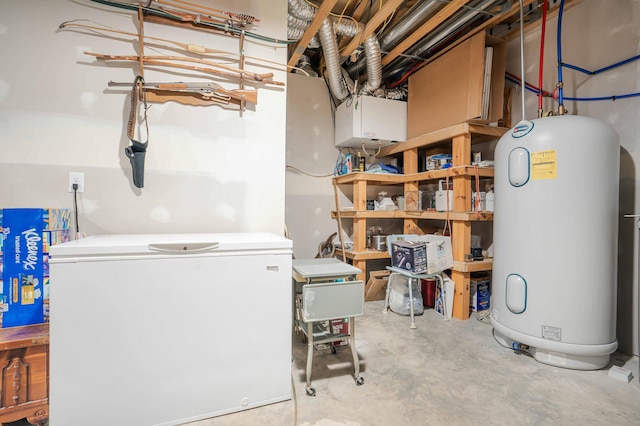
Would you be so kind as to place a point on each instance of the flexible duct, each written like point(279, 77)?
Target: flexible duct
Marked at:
point(458, 21)
point(301, 10)
point(374, 63)
point(301, 14)
point(296, 24)
point(332, 60)
point(418, 14)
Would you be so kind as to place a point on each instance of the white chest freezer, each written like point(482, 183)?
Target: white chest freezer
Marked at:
point(168, 329)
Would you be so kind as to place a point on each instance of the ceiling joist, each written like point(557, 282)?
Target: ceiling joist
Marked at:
point(387, 9)
point(298, 49)
point(424, 29)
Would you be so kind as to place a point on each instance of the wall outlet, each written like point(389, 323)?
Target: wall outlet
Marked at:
point(76, 177)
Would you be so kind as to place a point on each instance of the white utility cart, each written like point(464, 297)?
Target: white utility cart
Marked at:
point(325, 290)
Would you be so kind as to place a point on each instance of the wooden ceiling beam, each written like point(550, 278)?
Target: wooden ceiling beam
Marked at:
point(427, 27)
point(385, 11)
point(357, 14)
point(299, 48)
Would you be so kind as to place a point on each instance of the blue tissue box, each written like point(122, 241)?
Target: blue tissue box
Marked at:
point(27, 235)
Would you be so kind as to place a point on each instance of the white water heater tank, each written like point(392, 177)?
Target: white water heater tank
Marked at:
point(556, 240)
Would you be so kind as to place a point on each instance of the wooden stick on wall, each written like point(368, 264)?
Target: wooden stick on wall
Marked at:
point(141, 41)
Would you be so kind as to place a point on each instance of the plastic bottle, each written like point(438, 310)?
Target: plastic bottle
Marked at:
point(361, 162)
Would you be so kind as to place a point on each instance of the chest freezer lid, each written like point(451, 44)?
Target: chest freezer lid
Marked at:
point(141, 244)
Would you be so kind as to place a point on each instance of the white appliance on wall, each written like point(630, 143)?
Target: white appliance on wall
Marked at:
point(168, 329)
point(374, 122)
point(555, 240)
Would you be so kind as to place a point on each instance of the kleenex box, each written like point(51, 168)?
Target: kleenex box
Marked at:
point(25, 239)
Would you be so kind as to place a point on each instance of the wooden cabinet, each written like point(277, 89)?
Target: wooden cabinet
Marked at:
point(460, 138)
point(24, 374)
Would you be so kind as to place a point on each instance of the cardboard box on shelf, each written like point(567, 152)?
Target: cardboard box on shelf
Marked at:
point(479, 293)
point(449, 89)
point(27, 235)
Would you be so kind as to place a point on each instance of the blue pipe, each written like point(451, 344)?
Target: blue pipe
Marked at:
point(600, 98)
point(559, 38)
point(606, 98)
point(610, 67)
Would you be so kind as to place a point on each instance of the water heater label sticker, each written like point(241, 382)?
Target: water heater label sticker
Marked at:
point(551, 333)
point(544, 165)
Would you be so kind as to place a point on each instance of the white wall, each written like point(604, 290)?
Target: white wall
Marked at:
point(310, 148)
point(207, 169)
point(596, 34)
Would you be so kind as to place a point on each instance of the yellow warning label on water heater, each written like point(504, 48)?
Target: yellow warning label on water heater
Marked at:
point(544, 165)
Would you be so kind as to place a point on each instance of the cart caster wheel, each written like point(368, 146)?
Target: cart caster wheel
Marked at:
point(333, 350)
point(311, 392)
point(360, 381)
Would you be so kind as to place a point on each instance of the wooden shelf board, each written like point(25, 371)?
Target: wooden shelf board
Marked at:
point(479, 133)
point(369, 214)
point(364, 255)
point(478, 266)
point(423, 214)
point(454, 171)
point(372, 178)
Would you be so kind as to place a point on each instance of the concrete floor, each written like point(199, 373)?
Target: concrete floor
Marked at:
point(443, 373)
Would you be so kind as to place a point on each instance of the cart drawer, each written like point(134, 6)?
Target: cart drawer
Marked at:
point(324, 301)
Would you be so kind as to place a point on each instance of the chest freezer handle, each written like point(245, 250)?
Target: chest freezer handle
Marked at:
point(183, 247)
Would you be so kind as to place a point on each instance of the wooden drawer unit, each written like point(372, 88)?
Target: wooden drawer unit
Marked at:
point(24, 374)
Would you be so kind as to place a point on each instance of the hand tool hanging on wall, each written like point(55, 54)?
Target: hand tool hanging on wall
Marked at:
point(137, 150)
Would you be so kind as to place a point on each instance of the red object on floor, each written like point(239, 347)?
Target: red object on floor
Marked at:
point(428, 288)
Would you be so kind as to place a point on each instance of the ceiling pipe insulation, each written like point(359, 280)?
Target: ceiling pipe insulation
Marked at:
point(457, 22)
point(329, 44)
point(417, 15)
point(340, 84)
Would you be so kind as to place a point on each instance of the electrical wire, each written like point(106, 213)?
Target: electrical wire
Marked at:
point(308, 174)
point(343, 9)
point(75, 207)
point(334, 14)
point(364, 149)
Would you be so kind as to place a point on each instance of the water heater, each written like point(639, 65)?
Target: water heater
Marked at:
point(556, 240)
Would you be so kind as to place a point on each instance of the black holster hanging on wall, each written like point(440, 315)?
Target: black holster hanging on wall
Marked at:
point(137, 150)
point(136, 153)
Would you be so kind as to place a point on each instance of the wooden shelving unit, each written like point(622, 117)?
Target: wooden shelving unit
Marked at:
point(460, 137)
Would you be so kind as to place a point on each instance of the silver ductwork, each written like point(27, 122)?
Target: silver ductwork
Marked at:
point(301, 14)
point(374, 64)
point(417, 15)
point(301, 10)
point(458, 21)
point(332, 60)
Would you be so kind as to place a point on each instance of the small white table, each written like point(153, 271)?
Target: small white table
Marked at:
point(324, 290)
